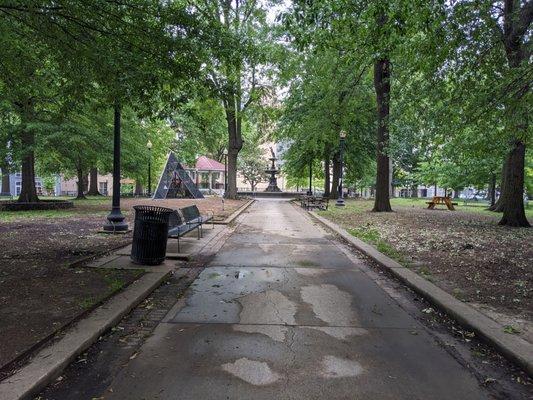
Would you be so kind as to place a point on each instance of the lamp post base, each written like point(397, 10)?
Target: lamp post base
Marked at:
point(115, 221)
point(340, 203)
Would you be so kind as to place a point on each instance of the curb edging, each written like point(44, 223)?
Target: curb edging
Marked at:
point(514, 348)
point(235, 214)
point(50, 362)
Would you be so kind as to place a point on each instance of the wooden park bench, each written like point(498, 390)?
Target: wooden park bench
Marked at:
point(444, 200)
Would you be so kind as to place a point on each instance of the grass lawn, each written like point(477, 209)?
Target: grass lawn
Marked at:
point(465, 252)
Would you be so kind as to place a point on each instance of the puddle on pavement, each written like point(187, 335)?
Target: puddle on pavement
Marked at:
point(335, 367)
point(275, 332)
point(257, 373)
point(330, 304)
point(272, 307)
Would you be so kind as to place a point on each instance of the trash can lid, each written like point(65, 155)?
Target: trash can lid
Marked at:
point(156, 209)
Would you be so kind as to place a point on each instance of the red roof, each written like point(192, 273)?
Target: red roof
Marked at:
point(207, 164)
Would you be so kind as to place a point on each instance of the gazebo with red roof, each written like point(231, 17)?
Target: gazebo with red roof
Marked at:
point(208, 174)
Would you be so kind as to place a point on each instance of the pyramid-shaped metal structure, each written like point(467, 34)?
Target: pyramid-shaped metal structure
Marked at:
point(175, 182)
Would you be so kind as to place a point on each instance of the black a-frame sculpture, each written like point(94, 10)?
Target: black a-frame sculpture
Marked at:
point(175, 182)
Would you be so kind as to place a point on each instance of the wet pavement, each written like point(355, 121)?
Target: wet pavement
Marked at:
point(282, 313)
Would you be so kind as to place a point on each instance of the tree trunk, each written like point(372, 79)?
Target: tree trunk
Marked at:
point(327, 177)
point(235, 143)
point(81, 184)
point(414, 191)
point(93, 182)
point(516, 20)
point(456, 192)
point(336, 176)
point(492, 190)
point(138, 188)
point(6, 184)
point(513, 209)
point(28, 192)
point(382, 87)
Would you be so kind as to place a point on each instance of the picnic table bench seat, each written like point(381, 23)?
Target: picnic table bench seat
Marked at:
point(446, 201)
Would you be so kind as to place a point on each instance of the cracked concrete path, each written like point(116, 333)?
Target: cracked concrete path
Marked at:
point(282, 313)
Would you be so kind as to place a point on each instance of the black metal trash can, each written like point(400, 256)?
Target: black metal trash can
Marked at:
point(150, 235)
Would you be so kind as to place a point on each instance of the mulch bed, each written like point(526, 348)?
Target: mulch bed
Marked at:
point(39, 291)
point(465, 253)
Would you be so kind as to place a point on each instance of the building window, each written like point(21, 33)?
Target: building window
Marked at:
point(18, 187)
point(204, 180)
point(102, 187)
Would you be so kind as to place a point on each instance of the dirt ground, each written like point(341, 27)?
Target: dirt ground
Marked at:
point(464, 252)
point(39, 291)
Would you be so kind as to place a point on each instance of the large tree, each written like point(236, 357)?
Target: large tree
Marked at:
point(135, 55)
point(236, 69)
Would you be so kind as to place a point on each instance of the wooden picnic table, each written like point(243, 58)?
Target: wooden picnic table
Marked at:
point(445, 200)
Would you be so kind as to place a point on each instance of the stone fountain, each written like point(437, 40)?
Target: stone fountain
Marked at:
point(273, 181)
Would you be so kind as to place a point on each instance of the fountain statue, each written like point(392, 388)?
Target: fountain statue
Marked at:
point(273, 181)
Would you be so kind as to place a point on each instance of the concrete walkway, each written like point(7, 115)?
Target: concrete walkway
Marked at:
point(282, 313)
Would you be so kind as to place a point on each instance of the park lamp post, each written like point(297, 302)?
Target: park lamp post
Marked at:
point(340, 199)
point(225, 171)
point(149, 146)
point(115, 219)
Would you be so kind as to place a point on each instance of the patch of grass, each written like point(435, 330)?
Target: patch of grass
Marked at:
point(114, 279)
point(363, 205)
point(8, 216)
point(372, 236)
point(511, 329)
point(458, 294)
point(87, 303)
point(368, 235)
point(351, 207)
